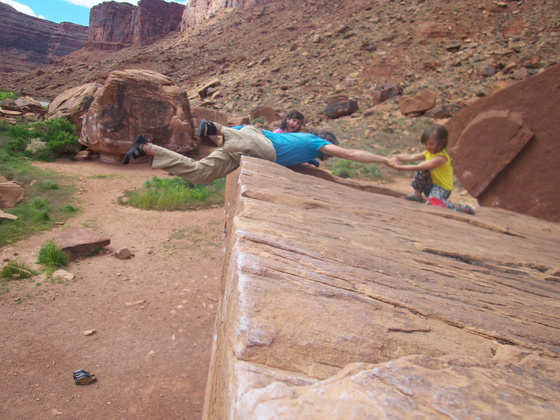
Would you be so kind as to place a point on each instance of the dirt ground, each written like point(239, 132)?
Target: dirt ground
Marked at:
point(153, 314)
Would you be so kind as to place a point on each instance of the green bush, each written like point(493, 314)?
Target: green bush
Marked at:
point(260, 121)
point(52, 256)
point(49, 139)
point(47, 195)
point(350, 169)
point(176, 194)
point(40, 203)
point(69, 209)
point(47, 184)
point(8, 94)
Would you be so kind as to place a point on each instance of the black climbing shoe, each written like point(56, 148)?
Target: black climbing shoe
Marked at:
point(136, 151)
point(207, 128)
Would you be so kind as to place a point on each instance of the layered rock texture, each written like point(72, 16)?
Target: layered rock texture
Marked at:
point(337, 303)
point(199, 10)
point(114, 25)
point(505, 147)
point(136, 102)
point(28, 42)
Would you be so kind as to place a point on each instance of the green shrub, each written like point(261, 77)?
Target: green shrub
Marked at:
point(8, 94)
point(260, 121)
point(47, 184)
point(176, 194)
point(49, 139)
point(40, 203)
point(4, 125)
point(52, 256)
point(17, 270)
point(47, 195)
point(350, 169)
point(69, 209)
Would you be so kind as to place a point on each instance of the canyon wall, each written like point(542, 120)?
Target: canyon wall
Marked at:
point(28, 42)
point(113, 26)
point(198, 10)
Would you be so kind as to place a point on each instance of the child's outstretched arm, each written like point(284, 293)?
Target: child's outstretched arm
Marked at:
point(427, 164)
point(409, 157)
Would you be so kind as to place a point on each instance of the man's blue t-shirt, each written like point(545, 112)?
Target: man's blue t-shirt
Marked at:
point(295, 148)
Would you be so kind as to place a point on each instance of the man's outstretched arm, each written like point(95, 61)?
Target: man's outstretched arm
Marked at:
point(352, 154)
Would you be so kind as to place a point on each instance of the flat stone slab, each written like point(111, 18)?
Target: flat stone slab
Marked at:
point(319, 277)
point(76, 240)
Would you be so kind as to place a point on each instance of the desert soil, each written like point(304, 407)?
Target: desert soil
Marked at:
point(153, 314)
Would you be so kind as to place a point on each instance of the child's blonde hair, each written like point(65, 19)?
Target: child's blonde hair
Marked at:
point(438, 133)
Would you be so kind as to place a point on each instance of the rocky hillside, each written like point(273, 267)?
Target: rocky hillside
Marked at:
point(295, 54)
point(27, 42)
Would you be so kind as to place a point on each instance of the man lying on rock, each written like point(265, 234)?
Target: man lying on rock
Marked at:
point(286, 149)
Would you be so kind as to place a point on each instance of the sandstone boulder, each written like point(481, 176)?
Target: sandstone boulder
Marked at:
point(4, 215)
point(339, 106)
point(28, 104)
point(24, 105)
point(136, 102)
point(76, 240)
point(342, 304)
point(73, 104)
point(209, 88)
point(382, 94)
point(10, 194)
point(269, 114)
point(418, 103)
point(505, 147)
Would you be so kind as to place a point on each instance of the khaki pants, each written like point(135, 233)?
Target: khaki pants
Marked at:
point(248, 141)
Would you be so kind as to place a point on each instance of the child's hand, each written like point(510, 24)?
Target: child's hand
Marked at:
point(393, 162)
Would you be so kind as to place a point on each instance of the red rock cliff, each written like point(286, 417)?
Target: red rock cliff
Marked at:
point(28, 42)
point(113, 26)
point(198, 10)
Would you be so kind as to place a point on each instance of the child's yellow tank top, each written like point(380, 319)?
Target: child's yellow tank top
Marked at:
point(442, 175)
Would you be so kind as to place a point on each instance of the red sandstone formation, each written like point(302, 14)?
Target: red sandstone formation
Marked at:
point(29, 42)
point(136, 102)
point(113, 26)
point(198, 10)
point(505, 147)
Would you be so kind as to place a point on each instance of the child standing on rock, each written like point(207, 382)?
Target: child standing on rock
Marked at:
point(434, 175)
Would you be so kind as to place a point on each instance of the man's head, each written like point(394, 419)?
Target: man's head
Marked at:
point(328, 136)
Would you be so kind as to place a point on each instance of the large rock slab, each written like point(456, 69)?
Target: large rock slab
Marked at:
point(419, 103)
point(76, 241)
point(319, 277)
point(73, 104)
point(505, 147)
point(10, 193)
point(136, 102)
